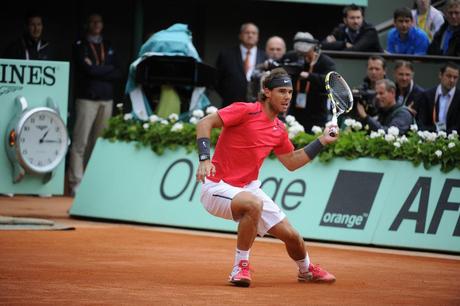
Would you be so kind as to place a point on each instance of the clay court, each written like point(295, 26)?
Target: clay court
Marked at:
point(103, 263)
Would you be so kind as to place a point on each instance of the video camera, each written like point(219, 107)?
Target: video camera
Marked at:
point(366, 97)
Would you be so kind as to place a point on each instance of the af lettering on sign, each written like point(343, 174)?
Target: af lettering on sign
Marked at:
point(351, 199)
point(419, 215)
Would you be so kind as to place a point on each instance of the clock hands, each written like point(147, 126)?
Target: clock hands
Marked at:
point(57, 141)
point(43, 138)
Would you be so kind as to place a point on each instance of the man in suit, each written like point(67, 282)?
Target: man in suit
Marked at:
point(446, 41)
point(235, 66)
point(439, 107)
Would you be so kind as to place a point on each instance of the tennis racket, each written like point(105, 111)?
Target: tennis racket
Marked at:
point(340, 95)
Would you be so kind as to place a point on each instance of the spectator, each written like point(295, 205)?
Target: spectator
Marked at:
point(427, 17)
point(446, 41)
point(407, 92)
point(235, 65)
point(354, 34)
point(390, 113)
point(365, 93)
point(96, 69)
point(439, 107)
point(275, 48)
point(405, 38)
point(31, 45)
point(376, 70)
point(309, 102)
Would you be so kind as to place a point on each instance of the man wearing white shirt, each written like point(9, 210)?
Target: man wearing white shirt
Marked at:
point(235, 65)
point(439, 107)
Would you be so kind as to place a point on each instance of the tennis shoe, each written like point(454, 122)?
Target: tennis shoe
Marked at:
point(241, 275)
point(316, 274)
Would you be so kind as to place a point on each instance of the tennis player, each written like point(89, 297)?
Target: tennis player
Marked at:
point(231, 189)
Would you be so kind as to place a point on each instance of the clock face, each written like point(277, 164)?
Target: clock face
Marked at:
point(42, 140)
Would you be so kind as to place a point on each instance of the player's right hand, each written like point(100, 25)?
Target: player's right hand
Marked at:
point(205, 168)
point(326, 138)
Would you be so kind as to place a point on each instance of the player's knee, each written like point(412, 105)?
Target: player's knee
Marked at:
point(255, 206)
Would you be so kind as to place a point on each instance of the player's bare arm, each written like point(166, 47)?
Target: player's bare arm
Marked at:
point(298, 158)
point(203, 134)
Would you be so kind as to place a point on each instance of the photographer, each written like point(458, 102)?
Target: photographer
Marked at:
point(308, 67)
point(390, 113)
point(365, 93)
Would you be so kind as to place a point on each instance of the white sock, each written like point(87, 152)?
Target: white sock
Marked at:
point(303, 264)
point(240, 255)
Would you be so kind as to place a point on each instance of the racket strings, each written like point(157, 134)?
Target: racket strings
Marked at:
point(341, 93)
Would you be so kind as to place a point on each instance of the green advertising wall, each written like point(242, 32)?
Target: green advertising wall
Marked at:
point(367, 201)
point(36, 81)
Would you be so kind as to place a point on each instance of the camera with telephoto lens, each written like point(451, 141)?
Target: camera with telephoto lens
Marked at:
point(366, 97)
point(292, 68)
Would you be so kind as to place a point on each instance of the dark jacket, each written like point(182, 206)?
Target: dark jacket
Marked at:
point(411, 97)
point(425, 108)
point(366, 41)
point(315, 112)
point(398, 116)
point(454, 43)
point(26, 48)
point(95, 81)
point(232, 83)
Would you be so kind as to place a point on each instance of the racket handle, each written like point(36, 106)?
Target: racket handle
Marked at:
point(333, 130)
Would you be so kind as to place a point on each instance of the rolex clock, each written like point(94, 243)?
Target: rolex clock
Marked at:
point(37, 140)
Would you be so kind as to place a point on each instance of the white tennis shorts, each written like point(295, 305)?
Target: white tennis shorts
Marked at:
point(217, 199)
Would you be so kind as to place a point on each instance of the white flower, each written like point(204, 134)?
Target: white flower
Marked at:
point(357, 126)
point(452, 135)
point(403, 139)
point(451, 145)
point(295, 129)
point(397, 144)
point(177, 127)
point(429, 136)
point(438, 153)
point(290, 119)
point(194, 120)
point(127, 117)
point(414, 127)
point(163, 121)
point(146, 126)
point(442, 134)
point(381, 132)
point(390, 138)
point(198, 113)
point(173, 117)
point(211, 110)
point(119, 105)
point(154, 118)
point(393, 131)
point(374, 135)
point(316, 130)
point(349, 122)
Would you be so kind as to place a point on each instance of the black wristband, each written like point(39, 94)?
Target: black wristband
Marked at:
point(204, 148)
point(313, 148)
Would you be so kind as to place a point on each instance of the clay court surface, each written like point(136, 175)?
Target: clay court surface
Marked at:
point(119, 264)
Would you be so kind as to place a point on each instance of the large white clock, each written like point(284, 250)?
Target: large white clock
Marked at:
point(37, 140)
